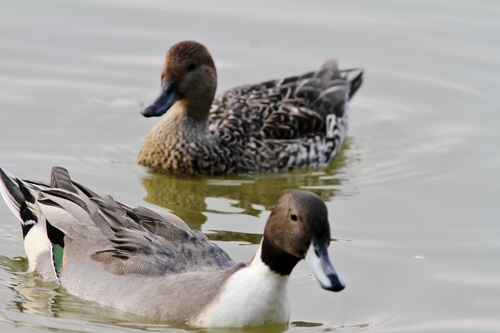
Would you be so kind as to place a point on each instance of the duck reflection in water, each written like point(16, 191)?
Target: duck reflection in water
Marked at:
point(249, 194)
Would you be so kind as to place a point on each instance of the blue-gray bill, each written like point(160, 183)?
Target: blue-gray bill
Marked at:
point(318, 260)
point(168, 96)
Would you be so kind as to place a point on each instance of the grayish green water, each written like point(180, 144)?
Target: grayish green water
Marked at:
point(413, 199)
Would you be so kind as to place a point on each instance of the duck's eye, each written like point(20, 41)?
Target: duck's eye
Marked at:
point(192, 66)
point(293, 216)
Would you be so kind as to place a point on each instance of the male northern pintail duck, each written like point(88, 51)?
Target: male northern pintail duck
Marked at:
point(299, 121)
point(152, 264)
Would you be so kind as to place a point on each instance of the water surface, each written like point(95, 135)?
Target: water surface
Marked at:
point(412, 198)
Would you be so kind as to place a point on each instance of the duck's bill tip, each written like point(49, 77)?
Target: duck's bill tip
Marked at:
point(157, 109)
point(168, 96)
point(147, 112)
point(335, 284)
point(319, 262)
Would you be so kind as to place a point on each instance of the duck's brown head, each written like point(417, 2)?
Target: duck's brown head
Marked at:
point(189, 77)
point(298, 228)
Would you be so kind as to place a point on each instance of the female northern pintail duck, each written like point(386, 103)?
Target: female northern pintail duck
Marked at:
point(152, 264)
point(299, 121)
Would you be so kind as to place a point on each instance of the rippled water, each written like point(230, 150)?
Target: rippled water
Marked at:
point(413, 197)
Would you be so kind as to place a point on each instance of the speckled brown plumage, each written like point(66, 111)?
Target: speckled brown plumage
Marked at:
point(296, 122)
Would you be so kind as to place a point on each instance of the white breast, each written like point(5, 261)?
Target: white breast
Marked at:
point(253, 296)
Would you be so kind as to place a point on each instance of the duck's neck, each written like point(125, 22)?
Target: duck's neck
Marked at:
point(178, 126)
point(276, 259)
point(197, 108)
point(187, 116)
point(253, 295)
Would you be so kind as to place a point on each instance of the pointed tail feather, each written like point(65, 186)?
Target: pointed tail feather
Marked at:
point(10, 191)
point(355, 84)
point(23, 201)
point(17, 196)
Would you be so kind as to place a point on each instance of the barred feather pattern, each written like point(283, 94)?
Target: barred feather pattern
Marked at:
point(277, 125)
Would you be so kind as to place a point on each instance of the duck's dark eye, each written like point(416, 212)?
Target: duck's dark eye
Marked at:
point(192, 66)
point(293, 216)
